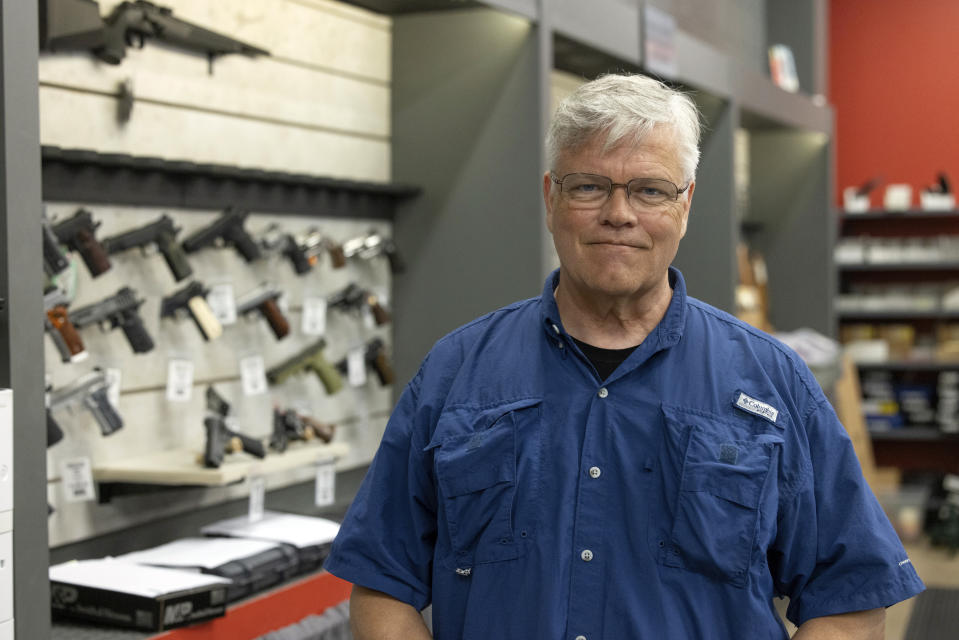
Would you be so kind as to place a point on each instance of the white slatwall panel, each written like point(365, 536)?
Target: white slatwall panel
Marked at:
point(152, 423)
point(319, 105)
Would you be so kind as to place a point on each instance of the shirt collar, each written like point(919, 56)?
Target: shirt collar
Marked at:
point(669, 330)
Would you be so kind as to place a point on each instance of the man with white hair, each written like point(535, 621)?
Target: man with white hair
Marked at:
point(615, 459)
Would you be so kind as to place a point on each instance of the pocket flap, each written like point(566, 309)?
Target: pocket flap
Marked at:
point(734, 470)
point(476, 461)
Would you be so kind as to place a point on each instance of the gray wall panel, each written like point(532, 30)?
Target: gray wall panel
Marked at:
point(789, 177)
point(735, 27)
point(611, 26)
point(466, 122)
point(707, 255)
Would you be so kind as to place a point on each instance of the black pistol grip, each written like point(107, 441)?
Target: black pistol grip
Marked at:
point(54, 261)
point(215, 435)
point(300, 261)
point(279, 440)
point(137, 335)
point(251, 445)
point(54, 432)
point(244, 243)
point(396, 262)
point(106, 416)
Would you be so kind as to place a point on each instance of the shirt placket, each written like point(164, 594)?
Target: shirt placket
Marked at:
point(587, 573)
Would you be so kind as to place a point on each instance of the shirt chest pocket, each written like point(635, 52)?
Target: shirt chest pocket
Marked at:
point(723, 480)
point(487, 481)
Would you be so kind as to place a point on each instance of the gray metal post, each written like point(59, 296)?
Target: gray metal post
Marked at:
point(707, 255)
point(21, 332)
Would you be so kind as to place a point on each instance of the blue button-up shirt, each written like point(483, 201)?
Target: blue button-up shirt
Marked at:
point(526, 498)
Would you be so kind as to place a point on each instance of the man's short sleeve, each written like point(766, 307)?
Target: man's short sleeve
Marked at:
point(386, 541)
point(835, 550)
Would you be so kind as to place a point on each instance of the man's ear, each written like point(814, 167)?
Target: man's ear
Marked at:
point(688, 202)
point(547, 190)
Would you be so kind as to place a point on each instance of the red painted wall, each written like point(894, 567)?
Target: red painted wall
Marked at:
point(894, 82)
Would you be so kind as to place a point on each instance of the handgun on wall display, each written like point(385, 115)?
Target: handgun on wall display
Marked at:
point(376, 359)
point(226, 230)
point(90, 390)
point(192, 299)
point(371, 245)
point(263, 299)
point(868, 186)
point(220, 438)
point(941, 185)
point(289, 426)
point(310, 359)
point(119, 310)
point(54, 261)
point(162, 233)
point(78, 233)
point(69, 25)
point(315, 242)
point(302, 252)
point(59, 327)
point(352, 298)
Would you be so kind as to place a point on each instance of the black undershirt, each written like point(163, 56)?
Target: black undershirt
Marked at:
point(604, 360)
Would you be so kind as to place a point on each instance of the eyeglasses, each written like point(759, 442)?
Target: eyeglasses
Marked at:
point(589, 190)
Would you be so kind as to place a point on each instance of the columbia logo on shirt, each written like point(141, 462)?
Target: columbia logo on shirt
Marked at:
point(752, 405)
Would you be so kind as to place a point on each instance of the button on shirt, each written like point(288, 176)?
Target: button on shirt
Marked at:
point(526, 498)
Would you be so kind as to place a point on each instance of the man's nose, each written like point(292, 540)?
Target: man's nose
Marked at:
point(618, 211)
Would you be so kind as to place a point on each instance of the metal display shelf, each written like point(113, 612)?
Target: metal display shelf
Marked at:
point(77, 175)
point(849, 316)
point(899, 266)
point(909, 365)
point(913, 434)
point(912, 214)
point(917, 448)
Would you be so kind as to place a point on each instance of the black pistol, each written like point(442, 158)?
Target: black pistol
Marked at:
point(289, 426)
point(375, 358)
point(78, 233)
point(162, 233)
point(119, 310)
point(228, 230)
point(192, 299)
point(220, 439)
point(353, 298)
point(263, 299)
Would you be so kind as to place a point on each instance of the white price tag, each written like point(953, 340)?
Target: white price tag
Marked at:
point(257, 498)
point(113, 378)
point(77, 480)
point(369, 322)
point(314, 316)
point(222, 302)
point(361, 406)
point(179, 380)
point(253, 375)
point(325, 494)
point(356, 366)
